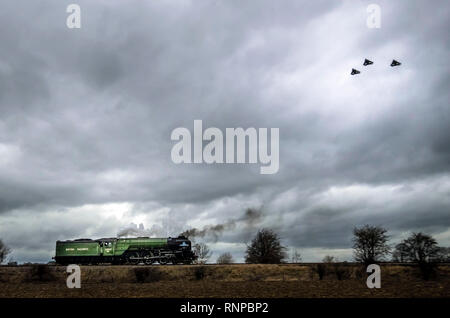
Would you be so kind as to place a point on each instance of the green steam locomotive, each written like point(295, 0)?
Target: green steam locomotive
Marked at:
point(141, 250)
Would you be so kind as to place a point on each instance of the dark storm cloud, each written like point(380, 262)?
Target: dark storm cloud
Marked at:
point(86, 116)
point(330, 225)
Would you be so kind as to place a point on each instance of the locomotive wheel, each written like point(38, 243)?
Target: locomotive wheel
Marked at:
point(133, 261)
point(148, 261)
point(163, 261)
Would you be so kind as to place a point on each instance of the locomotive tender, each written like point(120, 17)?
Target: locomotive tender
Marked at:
point(144, 250)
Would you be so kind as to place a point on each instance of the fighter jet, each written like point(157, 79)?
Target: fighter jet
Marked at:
point(367, 62)
point(395, 63)
point(354, 72)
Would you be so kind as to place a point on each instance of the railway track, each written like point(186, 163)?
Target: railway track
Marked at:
point(214, 264)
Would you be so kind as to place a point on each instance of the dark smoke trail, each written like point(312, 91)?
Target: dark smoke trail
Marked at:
point(250, 218)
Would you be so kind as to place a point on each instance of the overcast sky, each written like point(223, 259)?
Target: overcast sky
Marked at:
point(86, 116)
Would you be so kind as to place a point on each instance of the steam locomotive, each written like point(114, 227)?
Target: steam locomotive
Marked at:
point(141, 250)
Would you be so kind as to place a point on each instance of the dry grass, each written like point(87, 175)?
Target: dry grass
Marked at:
point(343, 280)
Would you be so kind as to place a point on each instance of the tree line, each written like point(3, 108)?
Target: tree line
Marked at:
point(370, 246)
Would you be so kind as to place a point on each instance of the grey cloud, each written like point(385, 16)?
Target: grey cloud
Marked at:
point(89, 113)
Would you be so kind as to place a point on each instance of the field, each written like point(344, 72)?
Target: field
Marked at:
point(223, 281)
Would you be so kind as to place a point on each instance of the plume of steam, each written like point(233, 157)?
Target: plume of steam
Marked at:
point(170, 225)
point(250, 218)
point(134, 230)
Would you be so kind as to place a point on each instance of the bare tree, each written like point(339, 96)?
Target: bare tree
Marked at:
point(443, 254)
point(370, 244)
point(225, 258)
point(265, 248)
point(296, 256)
point(421, 249)
point(398, 255)
point(203, 252)
point(329, 259)
point(4, 251)
point(418, 248)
